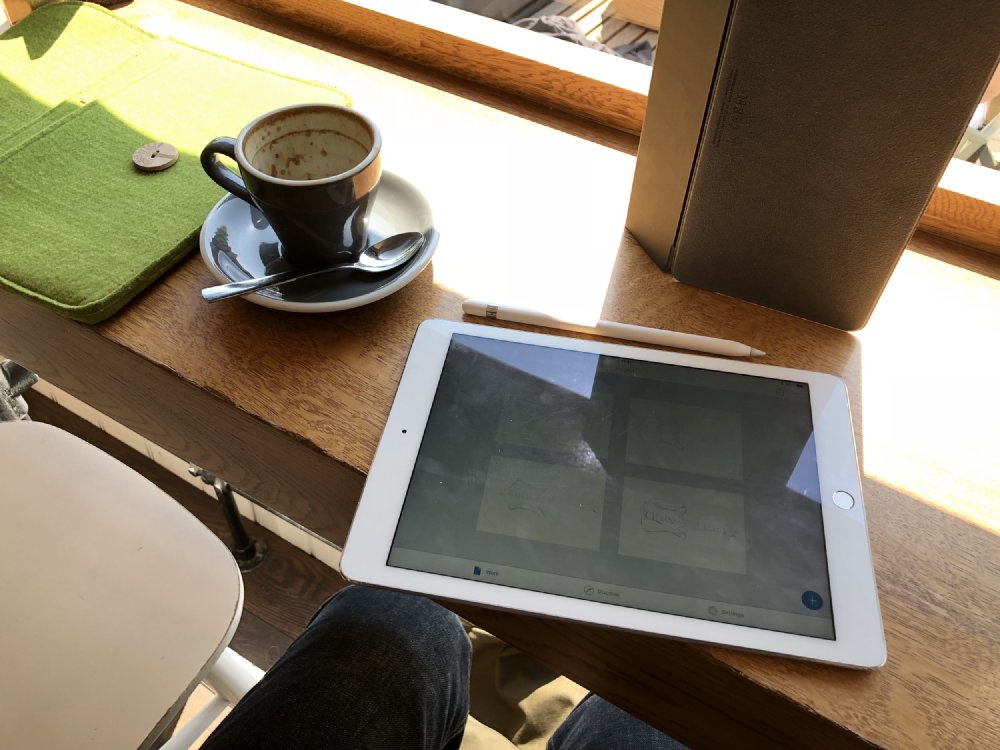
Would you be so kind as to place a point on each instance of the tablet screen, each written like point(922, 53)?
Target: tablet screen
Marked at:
point(647, 485)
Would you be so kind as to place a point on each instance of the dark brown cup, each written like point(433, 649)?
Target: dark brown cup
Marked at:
point(312, 170)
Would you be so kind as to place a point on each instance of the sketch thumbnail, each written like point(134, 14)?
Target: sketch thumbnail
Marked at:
point(689, 526)
point(543, 502)
point(660, 517)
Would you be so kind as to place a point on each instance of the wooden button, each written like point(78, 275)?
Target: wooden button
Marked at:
point(155, 157)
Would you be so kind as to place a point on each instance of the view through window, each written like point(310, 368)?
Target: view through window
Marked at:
point(981, 143)
point(625, 28)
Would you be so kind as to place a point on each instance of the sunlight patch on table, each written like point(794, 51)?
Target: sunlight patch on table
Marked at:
point(531, 255)
point(935, 434)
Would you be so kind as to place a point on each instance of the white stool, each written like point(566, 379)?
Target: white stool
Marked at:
point(115, 602)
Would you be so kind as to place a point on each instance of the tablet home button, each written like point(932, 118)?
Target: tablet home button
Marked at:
point(843, 499)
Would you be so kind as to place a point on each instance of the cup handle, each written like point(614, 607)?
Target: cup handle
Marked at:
point(224, 177)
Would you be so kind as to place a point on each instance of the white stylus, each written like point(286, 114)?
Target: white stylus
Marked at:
point(610, 329)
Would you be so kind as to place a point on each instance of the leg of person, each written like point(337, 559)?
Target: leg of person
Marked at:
point(373, 669)
point(595, 724)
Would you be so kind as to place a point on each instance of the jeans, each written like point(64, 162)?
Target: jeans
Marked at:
point(378, 669)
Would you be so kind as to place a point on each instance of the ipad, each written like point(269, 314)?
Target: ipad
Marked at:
point(684, 496)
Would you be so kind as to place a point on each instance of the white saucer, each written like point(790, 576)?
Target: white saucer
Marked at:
point(237, 243)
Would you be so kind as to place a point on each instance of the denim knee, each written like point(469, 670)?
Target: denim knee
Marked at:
point(596, 724)
point(374, 669)
point(396, 625)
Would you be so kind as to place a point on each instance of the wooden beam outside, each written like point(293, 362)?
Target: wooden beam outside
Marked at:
point(15, 10)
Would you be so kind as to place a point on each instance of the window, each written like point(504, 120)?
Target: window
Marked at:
point(576, 80)
point(604, 88)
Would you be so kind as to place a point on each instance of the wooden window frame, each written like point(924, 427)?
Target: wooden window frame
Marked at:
point(568, 77)
point(14, 11)
point(965, 207)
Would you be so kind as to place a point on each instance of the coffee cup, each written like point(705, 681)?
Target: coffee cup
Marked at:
point(312, 170)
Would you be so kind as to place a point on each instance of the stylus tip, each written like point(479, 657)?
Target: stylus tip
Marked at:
point(756, 352)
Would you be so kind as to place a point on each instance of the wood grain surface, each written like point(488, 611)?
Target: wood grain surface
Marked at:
point(531, 213)
point(15, 10)
point(966, 206)
point(643, 12)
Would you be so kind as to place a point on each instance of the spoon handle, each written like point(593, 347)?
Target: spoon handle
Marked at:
point(238, 288)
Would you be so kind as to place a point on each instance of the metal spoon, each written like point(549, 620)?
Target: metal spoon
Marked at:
point(390, 253)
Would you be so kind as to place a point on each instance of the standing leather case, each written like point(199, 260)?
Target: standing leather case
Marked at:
point(790, 148)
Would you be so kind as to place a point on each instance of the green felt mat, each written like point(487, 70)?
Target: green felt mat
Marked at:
point(84, 231)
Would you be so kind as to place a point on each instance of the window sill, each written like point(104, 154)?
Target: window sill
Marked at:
point(573, 79)
point(966, 206)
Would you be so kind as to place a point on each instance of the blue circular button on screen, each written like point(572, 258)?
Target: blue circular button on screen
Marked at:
point(812, 600)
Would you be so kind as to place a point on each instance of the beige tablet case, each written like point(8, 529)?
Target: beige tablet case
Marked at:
point(789, 148)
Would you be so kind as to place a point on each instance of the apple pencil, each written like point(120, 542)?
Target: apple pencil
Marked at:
point(613, 330)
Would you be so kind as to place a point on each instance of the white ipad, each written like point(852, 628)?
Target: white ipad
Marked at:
point(685, 496)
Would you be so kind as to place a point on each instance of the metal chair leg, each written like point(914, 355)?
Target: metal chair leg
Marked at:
point(249, 552)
